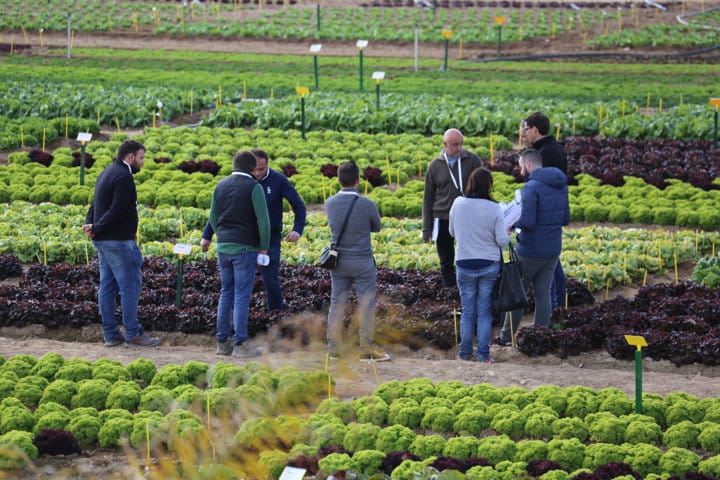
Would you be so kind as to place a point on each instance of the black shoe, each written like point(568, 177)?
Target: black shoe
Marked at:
point(114, 342)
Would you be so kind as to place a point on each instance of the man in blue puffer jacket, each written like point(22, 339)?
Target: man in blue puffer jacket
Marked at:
point(545, 210)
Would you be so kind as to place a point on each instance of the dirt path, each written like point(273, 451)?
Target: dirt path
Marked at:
point(354, 378)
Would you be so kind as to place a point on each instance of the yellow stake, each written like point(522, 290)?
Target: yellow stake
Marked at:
point(645, 278)
point(117, 124)
point(191, 102)
point(244, 95)
point(44, 252)
point(607, 288)
point(660, 105)
point(25, 35)
point(66, 125)
point(573, 125)
point(329, 383)
point(181, 225)
point(366, 186)
point(43, 142)
point(457, 342)
point(374, 368)
point(677, 280)
point(492, 151)
point(147, 438)
point(557, 131)
point(623, 108)
point(322, 179)
point(87, 256)
point(566, 299)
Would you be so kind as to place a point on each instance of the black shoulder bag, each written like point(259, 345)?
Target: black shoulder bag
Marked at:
point(329, 254)
point(509, 292)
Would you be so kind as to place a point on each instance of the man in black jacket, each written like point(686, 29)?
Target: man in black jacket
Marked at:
point(535, 130)
point(112, 223)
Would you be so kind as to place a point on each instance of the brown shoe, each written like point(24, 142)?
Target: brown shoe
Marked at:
point(375, 353)
point(142, 340)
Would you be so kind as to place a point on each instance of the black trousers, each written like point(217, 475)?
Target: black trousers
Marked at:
point(446, 253)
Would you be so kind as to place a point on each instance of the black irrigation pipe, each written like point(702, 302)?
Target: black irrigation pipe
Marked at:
point(526, 58)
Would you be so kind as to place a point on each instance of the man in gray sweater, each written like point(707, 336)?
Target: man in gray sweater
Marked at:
point(445, 180)
point(355, 263)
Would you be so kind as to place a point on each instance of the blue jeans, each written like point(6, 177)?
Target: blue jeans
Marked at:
point(271, 279)
point(362, 272)
point(559, 287)
point(237, 277)
point(476, 286)
point(120, 263)
point(539, 272)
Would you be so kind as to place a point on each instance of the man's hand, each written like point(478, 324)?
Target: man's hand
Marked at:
point(87, 228)
point(204, 244)
point(293, 236)
point(427, 237)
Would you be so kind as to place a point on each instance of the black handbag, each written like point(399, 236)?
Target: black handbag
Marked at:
point(329, 253)
point(509, 292)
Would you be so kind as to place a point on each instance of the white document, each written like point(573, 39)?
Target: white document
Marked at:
point(436, 229)
point(512, 210)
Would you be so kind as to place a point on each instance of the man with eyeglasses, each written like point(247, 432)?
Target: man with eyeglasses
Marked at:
point(445, 180)
point(535, 130)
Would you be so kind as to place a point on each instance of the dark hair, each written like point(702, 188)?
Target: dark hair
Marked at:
point(244, 161)
point(540, 121)
point(129, 147)
point(480, 184)
point(532, 156)
point(348, 173)
point(260, 154)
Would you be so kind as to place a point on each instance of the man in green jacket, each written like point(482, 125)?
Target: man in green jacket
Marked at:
point(239, 216)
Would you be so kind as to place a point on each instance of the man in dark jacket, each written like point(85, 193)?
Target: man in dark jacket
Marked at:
point(112, 223)
point(535, 129)
point(276, 187)
point(445, 180)
point(545, 210)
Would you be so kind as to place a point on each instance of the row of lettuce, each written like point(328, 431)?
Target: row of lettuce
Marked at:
point(278, 418)
point(392, 167)
point(422, 113)
point(335, 23)
point(252, 76)
point(596, 256)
